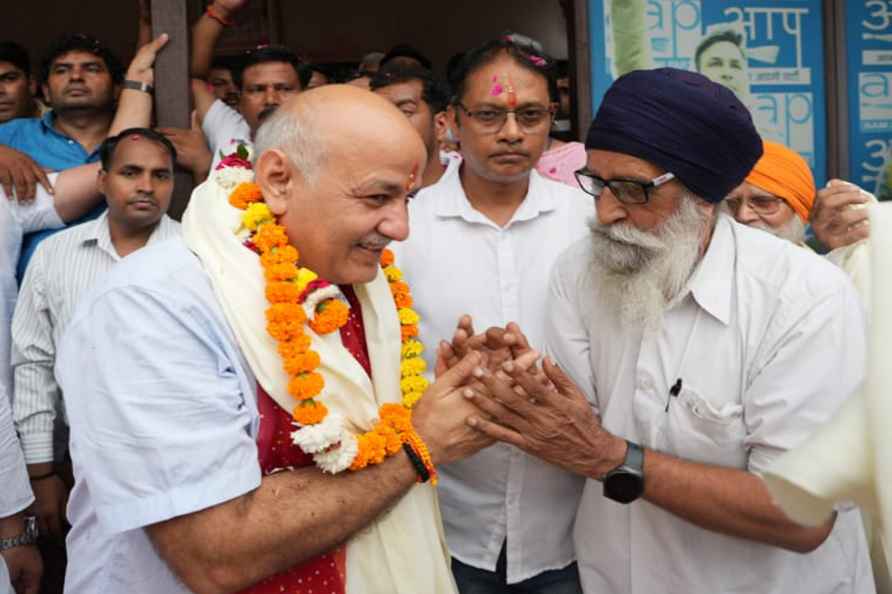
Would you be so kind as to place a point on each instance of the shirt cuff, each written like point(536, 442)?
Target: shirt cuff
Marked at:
point(37, 447)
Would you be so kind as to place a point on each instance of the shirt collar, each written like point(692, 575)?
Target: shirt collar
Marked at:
point(97, 233)
point(712, 283)
point(454, 202)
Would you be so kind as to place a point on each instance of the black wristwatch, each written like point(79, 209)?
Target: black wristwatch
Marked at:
point(138, 86)
point(28, 537)
point(625, 483)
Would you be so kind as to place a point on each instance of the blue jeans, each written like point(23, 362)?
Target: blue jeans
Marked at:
point(471, 580)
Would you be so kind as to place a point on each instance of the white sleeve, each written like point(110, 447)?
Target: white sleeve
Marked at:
point(221, 126)
point(160, 424)
point(566, 330)
point(38, 214)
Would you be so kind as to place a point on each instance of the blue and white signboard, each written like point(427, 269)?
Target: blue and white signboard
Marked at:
point(769, 52)
point(869, 52)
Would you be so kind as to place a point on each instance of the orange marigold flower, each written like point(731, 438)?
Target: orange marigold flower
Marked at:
point(393, 442)
point(280, 272)
point(396, 416)
point(286, 254)
point(402, 300)
point(377, 447)
point(245, 194)
point(309, 413)
point(399, 287)
point(286, 312)
point(270, 236)
point(330, 315)
point(386, 257)
point(296, 346)
point(302, 363)
point(281, 292)
point(409, 331)
point(362, 454)
point(306, 385)
point(285, 330)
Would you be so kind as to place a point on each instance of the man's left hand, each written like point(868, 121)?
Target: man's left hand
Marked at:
point(554, 422)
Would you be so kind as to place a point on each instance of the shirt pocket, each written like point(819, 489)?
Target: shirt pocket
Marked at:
point(699, 429)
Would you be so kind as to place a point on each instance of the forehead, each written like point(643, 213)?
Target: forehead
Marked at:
point(220, 73)
point(609, 165)
point(529, 85)
point(6, 67)
point(78, 57)
point(748, 190)
point(404, 91)
point(723, 49)
point(141, 151)
point(269, 73)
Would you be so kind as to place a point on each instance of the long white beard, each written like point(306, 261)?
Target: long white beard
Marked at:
point(793, 230)
point(640, 273)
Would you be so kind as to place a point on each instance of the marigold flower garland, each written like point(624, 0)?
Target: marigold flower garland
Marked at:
point(298, 298)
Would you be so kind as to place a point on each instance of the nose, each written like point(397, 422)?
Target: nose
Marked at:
point(610, 210)
point(144, 184)
point(76, 73)
point(510, 130)
point(272, 96)
point(395, 224)
point(745, 213)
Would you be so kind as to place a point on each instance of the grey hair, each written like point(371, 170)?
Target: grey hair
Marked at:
point(297, 135)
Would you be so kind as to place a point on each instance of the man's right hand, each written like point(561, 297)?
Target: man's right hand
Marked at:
point(441, 415)
point(19, 175)
point(838, 217)
point(50, 502)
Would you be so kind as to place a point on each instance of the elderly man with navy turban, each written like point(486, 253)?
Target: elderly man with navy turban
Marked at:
point(686, 352)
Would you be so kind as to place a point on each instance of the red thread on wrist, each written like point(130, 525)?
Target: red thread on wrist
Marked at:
point(218, 17)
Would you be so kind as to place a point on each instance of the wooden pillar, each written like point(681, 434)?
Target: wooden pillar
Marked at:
point(172, 105)
point(581, 64)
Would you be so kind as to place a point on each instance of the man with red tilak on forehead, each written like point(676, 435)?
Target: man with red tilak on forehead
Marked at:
point(248, 412)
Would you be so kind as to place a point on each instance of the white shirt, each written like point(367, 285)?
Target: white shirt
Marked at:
point(64, 267)
point(768, 341)
point(457, 261)
point(16, 219)
point(224, 128)
point(163, 417)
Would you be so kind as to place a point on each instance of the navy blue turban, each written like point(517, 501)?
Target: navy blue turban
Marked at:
point(682, 122)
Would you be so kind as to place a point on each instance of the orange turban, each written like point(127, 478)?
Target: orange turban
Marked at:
point(785, 174)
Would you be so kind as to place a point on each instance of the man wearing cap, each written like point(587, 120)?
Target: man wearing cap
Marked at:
point(706, 349)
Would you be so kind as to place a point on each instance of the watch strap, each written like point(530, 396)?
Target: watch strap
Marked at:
point(634, 456)
point(138, 86)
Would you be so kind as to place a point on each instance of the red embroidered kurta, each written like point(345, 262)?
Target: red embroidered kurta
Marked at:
point(327, 573)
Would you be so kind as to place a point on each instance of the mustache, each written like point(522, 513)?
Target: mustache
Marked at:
point(266, 112)
point(374, 241)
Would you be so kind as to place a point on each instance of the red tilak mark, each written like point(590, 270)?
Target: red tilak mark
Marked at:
point(512, 96)
point(135, 137)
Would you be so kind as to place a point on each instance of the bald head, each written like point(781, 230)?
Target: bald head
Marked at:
point(337, 122)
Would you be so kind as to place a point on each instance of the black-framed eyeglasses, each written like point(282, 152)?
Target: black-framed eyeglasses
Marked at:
point(492, 119)
point(627, 191)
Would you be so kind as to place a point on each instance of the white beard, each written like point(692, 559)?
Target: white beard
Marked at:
point(640, 273)
point(793, 230)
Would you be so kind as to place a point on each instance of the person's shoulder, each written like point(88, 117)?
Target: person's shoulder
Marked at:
point(574, 263)
point(17, 129)
point(567, 197)
point(792, 272)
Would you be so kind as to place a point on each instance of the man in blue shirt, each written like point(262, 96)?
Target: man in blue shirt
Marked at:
point(81, 80)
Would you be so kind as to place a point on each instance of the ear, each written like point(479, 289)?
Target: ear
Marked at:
point(101, 179)
point(452, 118)
point(276, 177)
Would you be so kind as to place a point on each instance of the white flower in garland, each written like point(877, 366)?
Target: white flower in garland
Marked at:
point(318, 296)
point(340, 458)
point(230, 177)
point(314, 439)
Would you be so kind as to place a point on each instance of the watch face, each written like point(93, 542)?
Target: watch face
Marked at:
point(623, 486)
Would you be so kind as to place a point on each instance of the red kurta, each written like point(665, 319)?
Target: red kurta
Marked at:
point(325, 574)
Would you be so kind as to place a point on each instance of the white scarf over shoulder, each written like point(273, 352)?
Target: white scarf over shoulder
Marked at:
point(404, 551)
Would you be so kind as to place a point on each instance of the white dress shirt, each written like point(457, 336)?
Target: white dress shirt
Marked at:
point(63, 268)
point(768, 341)
point(458, 261)
point(163, 416)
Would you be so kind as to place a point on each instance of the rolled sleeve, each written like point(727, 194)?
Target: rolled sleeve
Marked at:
point(816, 362)
point(160, 425)
point(15, 494)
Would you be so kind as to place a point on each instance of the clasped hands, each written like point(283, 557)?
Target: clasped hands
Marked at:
point(532, 406)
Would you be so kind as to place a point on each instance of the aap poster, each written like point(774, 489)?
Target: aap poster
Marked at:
point(769, 52)
point(869, 52)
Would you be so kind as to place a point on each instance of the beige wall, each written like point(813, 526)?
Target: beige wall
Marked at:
point(327, 30)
